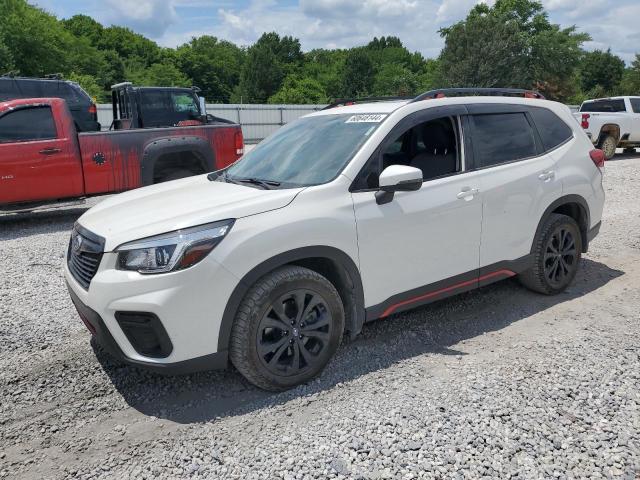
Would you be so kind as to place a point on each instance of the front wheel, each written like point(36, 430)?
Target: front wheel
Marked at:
point(557, 251)
point(287, 328)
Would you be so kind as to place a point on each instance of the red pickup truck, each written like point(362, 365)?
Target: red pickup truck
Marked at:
point(43, 159)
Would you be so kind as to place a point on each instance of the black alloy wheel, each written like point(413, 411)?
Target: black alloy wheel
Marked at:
point(560, 258)
point(556, 252)
point(287, 328)
point(294, 332)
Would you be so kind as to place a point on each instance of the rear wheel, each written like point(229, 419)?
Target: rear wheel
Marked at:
point(557, 253)
point(287, 328)
point(608, 145)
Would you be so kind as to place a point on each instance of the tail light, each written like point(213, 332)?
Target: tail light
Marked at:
point(597, 156)
point(93, 110)
point(239, 142)
point(585, 120)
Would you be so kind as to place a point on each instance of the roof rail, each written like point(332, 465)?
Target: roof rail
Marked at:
point(341, 102)
point(486, 92)
point(53, 76)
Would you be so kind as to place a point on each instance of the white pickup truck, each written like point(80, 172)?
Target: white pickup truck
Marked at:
point(611, 123)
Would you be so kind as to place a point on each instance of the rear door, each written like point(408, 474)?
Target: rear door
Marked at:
point(38, 156)
point(517, 180)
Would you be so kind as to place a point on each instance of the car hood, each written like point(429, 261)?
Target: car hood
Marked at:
point(177, 204)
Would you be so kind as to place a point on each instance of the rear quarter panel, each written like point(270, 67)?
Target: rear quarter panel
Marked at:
point(112, 160)
point(578, 173)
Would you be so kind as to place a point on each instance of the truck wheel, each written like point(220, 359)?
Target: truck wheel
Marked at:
point(557, 251)
point(175, 175)
point(287, 328)
point(608, 145)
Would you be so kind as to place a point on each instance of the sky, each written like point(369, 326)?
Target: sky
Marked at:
point(612, 24)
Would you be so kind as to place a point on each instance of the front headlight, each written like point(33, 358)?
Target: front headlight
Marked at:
point(172, 251)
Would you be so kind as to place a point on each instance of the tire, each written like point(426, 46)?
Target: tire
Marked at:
point(264, 343)
point(549, 251)
point(630, 151)
point(175, 175)
point(608, 145)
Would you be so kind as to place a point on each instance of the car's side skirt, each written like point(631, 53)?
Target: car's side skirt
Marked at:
point(448, 287)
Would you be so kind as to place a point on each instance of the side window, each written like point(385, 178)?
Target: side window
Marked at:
point(635, 104)
point(501, 138)
point(33, 123)
point(431, 146)
point(553, 131)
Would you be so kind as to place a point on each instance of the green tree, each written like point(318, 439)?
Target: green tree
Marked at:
point(630, 84)
point(602, 69)
point(511, 44)
point(84, 26)
point(358, 74)
point(6, 60)
point(213, 65)
point(90, 85)
point(394, 79)
point(261, 76)
point(325, 66)
point(129, 44)
point(298, 90)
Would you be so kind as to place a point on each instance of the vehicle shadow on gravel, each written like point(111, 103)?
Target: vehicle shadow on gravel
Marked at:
point(14, 226)
point(432, 329)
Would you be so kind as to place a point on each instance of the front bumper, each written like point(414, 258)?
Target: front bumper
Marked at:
point(97, 327)
point(189, 304)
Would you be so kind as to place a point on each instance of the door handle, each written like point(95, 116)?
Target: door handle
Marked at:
point(547, 175)
point(467, 193)
point(50, 151)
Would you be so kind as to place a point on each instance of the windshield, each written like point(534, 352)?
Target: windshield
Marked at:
point(308, 151)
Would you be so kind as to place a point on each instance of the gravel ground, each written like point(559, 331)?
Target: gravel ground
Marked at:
point(497, 383)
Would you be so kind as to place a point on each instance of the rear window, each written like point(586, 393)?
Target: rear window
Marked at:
point(33, 123)
point(553, 131)
point(20, 88)
point(603, 106)
point(162, 108)
point(501, 138)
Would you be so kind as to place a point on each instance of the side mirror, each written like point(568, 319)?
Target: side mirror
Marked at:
point(397, 178)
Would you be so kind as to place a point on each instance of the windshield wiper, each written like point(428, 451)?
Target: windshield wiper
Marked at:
point(266, 184)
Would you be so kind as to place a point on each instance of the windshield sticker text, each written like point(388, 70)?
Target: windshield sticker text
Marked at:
point(366, 118)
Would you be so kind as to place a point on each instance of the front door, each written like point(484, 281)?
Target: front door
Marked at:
point(37, 161)
point(423, 245)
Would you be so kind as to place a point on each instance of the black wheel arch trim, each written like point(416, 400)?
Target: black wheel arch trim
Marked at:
point(197, 146)
point(354, 319)
point(584, 225)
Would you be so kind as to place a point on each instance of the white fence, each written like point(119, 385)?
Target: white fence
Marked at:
point(257, 121)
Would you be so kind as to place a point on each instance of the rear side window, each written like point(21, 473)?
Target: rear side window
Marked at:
point(33, 123)
point(553, 131)
point(635, 104)
point(603, 106)
point(501, 138)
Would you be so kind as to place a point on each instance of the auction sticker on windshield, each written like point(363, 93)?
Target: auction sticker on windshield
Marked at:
point(366, 118)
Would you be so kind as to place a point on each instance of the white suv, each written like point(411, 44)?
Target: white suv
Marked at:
point(346, 215)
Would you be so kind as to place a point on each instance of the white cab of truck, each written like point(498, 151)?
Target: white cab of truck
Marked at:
point(611, 123)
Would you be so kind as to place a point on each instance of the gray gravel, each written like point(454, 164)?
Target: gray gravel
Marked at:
point(499, 383)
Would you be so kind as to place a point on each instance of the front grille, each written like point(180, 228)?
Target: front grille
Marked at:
point(84, 255)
